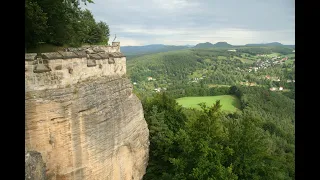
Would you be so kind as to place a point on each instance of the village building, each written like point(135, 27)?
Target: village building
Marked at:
point(157, 89)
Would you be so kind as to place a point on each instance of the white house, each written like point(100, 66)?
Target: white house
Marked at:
point(280, 88)
point(157, 89)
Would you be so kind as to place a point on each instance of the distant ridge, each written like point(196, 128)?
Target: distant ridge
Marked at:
point(266, 44)
point(209, 45)
point(156, 48)
point(271, 44)
point(204, 45)
point(147, 49)
point(222, 44)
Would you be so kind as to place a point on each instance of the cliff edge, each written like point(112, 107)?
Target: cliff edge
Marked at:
point(81, 115)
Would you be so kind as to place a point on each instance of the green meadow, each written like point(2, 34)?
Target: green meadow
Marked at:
point(229, 103)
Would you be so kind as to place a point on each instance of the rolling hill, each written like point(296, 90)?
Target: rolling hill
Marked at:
point(270, 44)
point(222, 44)
point(204, 45)
point(148, 49)
point(210, 45)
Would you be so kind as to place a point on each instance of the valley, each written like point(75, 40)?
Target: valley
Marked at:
point(181, 71)
point(197, 90)
point(219, 109)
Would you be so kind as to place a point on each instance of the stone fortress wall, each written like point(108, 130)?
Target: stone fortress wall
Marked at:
point(64, 68)
point(82, 121)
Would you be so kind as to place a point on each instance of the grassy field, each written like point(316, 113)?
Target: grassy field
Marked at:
point(218, 85)
point(222, 57)
point(273, 54)
point(196, 74)
point(229, 103)
point(289, 62)
point(291, 55)
point(246, 60)
point(208, 60)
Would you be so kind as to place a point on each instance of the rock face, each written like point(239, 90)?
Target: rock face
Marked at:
point(92, 129)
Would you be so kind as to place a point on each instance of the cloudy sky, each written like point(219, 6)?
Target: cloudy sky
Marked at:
point(182, 22)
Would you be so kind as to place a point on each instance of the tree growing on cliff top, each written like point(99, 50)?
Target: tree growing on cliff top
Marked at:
point(60, 23)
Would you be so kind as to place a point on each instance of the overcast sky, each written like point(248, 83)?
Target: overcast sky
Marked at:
point(182, 22)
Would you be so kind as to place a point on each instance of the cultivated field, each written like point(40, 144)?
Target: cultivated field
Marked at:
point(229, 103)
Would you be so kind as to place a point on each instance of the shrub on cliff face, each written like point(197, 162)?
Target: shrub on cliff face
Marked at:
point(70, 70)
point(59, 67)
point(35, 168)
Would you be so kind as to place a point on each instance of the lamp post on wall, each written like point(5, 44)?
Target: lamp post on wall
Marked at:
point(115, 37)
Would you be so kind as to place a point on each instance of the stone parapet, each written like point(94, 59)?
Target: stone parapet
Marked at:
point(63, 68)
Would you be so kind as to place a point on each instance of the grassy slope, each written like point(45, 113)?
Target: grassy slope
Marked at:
point(228, 102)
point(245, 60)
point(160, 60)
point(156, 56)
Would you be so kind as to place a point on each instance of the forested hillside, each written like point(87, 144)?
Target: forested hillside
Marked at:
point(209, 68)
point(148, 49)
point(256, 142)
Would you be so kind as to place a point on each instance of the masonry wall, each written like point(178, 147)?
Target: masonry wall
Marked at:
point(61, 69)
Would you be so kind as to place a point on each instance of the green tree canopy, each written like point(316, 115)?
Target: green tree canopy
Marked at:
point(62, 22)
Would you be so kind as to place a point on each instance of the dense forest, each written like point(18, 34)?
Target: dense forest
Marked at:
point(61, 23)
point(257, 143)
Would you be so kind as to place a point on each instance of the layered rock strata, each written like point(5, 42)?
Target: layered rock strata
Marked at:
point(86, 128)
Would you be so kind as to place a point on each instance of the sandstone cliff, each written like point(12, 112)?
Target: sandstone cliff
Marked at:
point(92, 128)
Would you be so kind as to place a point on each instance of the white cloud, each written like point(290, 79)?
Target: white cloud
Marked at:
point(128, 41)
point(170, 5)
point(178, 22)
point(194, 36)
